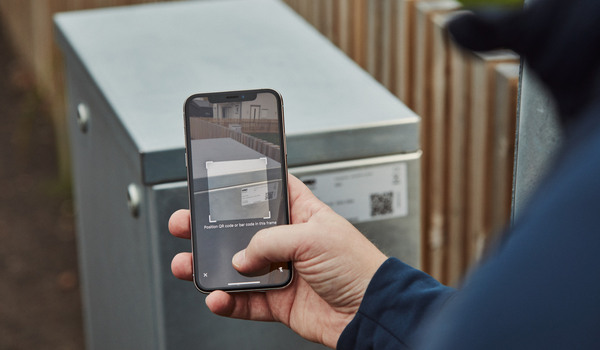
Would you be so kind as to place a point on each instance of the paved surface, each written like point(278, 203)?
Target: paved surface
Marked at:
point(40, 305)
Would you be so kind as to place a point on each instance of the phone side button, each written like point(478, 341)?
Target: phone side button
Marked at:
point(185, 155)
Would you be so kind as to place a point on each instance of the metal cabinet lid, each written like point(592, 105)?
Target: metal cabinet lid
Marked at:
point(147, 59)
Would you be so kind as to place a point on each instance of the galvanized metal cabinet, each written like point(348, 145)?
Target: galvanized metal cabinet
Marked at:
point(113, 246)
point(129, 71)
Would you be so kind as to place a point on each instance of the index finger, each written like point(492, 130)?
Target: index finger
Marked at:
point(179, 224)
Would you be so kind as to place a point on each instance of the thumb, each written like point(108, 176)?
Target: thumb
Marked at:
point(272, 245)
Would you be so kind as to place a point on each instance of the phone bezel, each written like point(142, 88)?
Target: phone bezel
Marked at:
point(236, 96)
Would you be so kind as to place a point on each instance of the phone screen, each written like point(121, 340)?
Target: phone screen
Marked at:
point(237, 181)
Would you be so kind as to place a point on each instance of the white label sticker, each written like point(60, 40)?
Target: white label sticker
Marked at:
point(255, 194)
point(364, 194)
point(230, 167)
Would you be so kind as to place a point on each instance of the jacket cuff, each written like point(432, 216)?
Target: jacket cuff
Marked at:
point(393, 308)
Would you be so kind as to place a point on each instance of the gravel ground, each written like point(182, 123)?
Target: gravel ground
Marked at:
point(40, 306)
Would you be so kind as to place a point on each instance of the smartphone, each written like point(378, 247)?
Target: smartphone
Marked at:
point(237, 183)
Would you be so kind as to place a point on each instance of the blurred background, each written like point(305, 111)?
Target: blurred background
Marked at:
point(39, 294)
point(467, 103)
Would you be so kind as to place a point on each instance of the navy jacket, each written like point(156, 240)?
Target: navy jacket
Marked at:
point(539, 288)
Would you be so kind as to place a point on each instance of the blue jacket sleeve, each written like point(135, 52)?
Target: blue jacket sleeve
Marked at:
point(538, 289)
point(394, 306)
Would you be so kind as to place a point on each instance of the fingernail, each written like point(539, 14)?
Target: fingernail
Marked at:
point(238, 258)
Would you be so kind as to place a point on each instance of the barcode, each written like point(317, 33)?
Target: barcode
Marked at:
point(270, 195)
point(382, 203)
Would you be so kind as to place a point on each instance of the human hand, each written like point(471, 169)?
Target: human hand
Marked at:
point(333, 263)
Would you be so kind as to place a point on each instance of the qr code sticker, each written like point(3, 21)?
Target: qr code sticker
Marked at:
point(382, 203)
